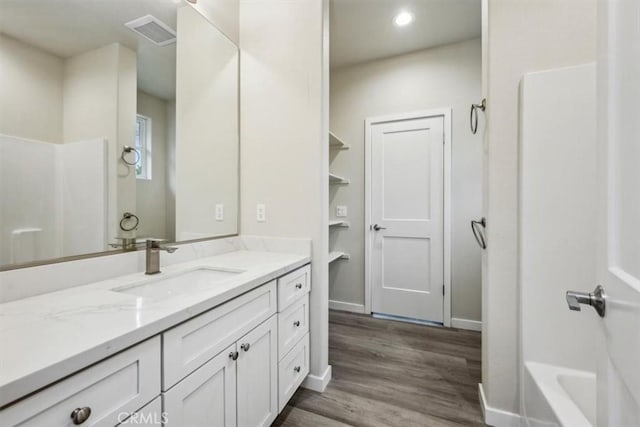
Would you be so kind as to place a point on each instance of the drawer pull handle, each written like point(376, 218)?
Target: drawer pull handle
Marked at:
point(296, 323)
point(297, 369)
point(245, 347)
point(80, 415)
point(233, 355)
point(299, 286)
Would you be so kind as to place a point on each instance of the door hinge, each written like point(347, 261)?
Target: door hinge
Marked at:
point(442, 289)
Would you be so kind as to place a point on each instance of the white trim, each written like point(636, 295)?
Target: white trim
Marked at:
point(346, 306)
point(318, 383)
point(470, 325)
point(497, 417)
point(446, 114)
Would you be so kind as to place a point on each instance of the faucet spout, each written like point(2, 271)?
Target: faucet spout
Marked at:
point(153, 249)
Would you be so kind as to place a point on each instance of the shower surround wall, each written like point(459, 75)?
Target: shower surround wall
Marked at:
point(447, 76)
point(57, 206)
point(558, 163)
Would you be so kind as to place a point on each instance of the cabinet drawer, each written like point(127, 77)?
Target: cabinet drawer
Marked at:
point(112, 389)
point(292, 371)
point(293, 324)
point(293, 286)
point(191, 344)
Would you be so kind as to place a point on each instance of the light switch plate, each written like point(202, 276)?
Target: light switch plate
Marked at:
point(341, 211)
point(261, 213)
point(219, 212)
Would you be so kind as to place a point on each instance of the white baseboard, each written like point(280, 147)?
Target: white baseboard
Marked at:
point(497, 417)
point(346, 306)
point(471, 325)
point(318, 383)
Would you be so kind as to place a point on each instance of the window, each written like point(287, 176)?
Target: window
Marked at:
point(143, 145)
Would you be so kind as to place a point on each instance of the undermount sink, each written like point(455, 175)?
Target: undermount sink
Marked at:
point(180, 283)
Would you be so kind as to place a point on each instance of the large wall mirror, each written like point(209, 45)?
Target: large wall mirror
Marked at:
point(118, 120)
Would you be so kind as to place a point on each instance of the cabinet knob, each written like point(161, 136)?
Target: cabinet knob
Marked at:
point(80, 415)
point(297, 369)
point(233, 355)
point(299, 286)
point(296, 323)
point(245, 346)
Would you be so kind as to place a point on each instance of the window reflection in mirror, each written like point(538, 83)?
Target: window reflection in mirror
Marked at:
point(97, 121)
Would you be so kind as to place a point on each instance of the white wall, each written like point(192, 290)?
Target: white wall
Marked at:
point(206, 129)
point(448, 76)
point(31, 92)
point(100, 102)
point(224, 14)
point(151, 194)
point(284, 146)
point(521, 37)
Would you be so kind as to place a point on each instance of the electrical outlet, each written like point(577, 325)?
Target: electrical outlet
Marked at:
point(219, 212)
point(261, 213)
point(341, 211)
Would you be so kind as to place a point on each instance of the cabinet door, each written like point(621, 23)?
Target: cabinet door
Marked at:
point(206, 397)
point(148, 416)
point(257, 375)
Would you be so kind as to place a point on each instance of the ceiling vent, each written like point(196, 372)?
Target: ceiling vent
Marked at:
point(153, 29)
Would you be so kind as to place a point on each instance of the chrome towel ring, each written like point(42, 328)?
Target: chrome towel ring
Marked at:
point(126, 217)
point(479, 234)
point(126, 150)
point(473, 115)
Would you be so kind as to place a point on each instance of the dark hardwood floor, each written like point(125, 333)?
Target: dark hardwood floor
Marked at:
point(388, 373)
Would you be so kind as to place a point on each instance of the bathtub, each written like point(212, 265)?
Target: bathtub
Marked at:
point(560, 397)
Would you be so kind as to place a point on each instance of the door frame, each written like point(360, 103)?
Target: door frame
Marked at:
point(445, 113)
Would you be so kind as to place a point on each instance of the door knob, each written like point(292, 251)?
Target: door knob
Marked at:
point(233, 355)
point(378, 228)
point(245, 346)
point(596, 299)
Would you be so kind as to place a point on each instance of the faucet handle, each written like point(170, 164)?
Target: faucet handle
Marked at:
point(597, 299)
point(155, 244)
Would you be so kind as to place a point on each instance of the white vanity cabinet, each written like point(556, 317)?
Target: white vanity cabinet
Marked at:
point(236, 364)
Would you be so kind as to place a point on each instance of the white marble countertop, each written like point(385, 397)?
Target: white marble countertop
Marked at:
point(47, 337)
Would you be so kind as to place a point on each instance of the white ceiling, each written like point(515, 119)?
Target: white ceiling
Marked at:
point(363, 30)
point(68, 27)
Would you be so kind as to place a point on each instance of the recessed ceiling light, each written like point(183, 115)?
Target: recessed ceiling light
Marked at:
point(403, 19)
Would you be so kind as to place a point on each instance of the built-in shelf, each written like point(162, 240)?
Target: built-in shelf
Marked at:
point(338, 223)
point(336, 255)
point(337, 143)
point(336, 179)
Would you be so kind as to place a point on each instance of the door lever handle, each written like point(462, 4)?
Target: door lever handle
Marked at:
point(378, 228)
point(596, 299)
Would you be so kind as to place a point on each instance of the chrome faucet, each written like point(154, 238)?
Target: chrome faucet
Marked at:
point(153, 255)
